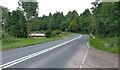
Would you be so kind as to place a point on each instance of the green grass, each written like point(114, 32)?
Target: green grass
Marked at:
point(12, 43)
point(99, 44)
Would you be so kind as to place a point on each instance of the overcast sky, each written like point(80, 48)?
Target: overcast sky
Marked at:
point(47, 6)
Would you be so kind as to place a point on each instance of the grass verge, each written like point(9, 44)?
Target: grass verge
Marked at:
point(12, 43)
point(100, 44)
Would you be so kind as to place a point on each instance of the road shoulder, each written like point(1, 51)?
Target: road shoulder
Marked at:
point(100, 59)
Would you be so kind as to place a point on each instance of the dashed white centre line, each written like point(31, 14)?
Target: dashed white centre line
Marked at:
point(6, 65)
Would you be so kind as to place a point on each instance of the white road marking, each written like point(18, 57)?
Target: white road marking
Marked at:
point(85, 55)
point(6, 65)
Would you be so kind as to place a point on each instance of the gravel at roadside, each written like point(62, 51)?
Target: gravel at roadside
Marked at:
point(100, 59)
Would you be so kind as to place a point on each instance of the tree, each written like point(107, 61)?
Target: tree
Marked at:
point(30, 8)
point(117, 17)
point(56, 20)
point(85, 22)
point(36, 24)
point(4, 15)
point(64, 25)
point(72, 15)
point(106, 21)
point(31, 11)
point(15, 24)
point(73, 26)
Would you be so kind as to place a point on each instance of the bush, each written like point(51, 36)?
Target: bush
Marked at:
point(48, 33)
point(42, 31)
point(100, 44)
point(53, 33)
point(66, 30)
point(6, 38)
point(36, 32)
point(56, 32)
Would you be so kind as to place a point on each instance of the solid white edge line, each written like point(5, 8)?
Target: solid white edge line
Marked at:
point(85, 55)
point(6, 65)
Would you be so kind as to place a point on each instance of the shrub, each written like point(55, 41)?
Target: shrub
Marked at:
point(66, 30)
point(6, 38)
point(53, 33)
point(48, 33)
point(42, 31)
point(36, 32)
point(100, 44)
point(56, 32)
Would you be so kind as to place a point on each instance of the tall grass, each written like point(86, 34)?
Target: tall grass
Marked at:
point(11, 42)
point(99, 44)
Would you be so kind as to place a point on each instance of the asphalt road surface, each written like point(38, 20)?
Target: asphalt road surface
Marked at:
point(65, 53)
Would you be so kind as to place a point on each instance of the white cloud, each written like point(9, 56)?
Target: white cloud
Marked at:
point(47, 6)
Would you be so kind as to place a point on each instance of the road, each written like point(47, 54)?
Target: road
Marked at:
point(69, 53)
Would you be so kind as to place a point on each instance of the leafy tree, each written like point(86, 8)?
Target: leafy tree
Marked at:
point(4, 15)
point(117, 17)
point(31, 11)
point(64, 25)
point(44, 23)
point(30, 8)
point(73, 26)
point(72, 15)
point(85, 22)
point(36, 24)
point(56, 20)
point(15, 24)
point(43, 26)
point(106, 22)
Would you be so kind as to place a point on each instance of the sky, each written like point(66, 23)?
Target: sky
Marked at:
point(51, 6)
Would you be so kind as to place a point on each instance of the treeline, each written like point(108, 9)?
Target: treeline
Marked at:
point(102, 21)
point(18, 22)
point(107, 17)
point(72, 22)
